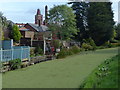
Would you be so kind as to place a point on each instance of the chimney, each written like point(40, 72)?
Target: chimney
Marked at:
point(46, 14)
point(39, 23)
point(38, 12)
point(38, 18)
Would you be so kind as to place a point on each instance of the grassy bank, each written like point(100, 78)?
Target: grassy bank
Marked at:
point(62, 73)
point(104, 76)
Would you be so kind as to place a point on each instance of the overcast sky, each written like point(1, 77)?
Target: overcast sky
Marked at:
point(23, 11)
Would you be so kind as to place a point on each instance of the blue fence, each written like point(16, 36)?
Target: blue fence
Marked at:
point(15, 53)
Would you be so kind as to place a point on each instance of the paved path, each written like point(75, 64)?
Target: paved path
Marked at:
point(62, 73)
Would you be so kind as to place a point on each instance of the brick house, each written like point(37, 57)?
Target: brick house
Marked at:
point(36, 34)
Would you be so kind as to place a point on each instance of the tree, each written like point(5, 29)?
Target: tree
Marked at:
point(16, 33)
point(2, 25)
point(10, 27)
point(117, 28)
point(62, 20)
point(80, 10)
point(100, 21)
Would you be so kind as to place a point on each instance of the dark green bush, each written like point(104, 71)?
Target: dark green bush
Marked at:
point(109, 45)
point(38, 51)
point(15, 64)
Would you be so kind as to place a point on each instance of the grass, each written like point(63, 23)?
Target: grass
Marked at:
point(104, 78)
point(62, 73)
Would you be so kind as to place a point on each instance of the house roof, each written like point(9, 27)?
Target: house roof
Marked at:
point(38, 28)
point(23, 29)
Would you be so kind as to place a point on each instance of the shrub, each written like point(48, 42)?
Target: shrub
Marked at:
point(66, 52)
point(100, 47)
point(38, 51)
point(74, 49)
point(90, 43)
point(32, 51)
point(15, 64)
point(23, 65)
point(63, 53)
point(115, 44)
point(86, 46)
point(109, 45)
point(56, 43)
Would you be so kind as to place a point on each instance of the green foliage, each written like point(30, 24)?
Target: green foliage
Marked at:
point(75, 49)
point(66, 52)
point(62, 20)
point(15, 64)
point(1, 33)
point(56, 43)
point(117, 28)
point(114, 35)
point(24, 64)
point(104, 76)
point(80, 10)
point(38, 51)
point(63, 53)
point(98, 16)
point(32, 51)
point(86, 46)
point(90, 41)
point(16, 33)
point(108, 44)
point(4, 26)
point(3, 20)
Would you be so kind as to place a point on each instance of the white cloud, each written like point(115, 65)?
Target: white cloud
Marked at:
point(34, 0)
point(55, 0)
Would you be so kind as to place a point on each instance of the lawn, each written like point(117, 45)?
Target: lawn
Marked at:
point(104, 76)
point(62, 73)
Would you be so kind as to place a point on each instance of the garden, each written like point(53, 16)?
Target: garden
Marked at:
point(81, 52)
point(68, 72)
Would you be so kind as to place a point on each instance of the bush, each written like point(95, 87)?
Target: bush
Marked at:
point(87, 47)
point(63, 53)
point(56, 43)
point(115, 44)
point(23, 65)
point(100, 47)
point(109, 45)
point(32, 51)
point(15, 64)
point(91, 42)
point(38, 51)
point(66, 52)
point(74, 49)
